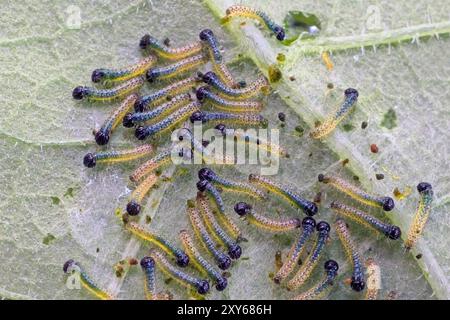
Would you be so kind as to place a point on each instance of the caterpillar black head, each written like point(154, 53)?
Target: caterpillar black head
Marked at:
point(224, 263)
point(206, 174)
point(388, 203)
point(202, 185)
point(242, 208)
point(139, 105)
point(152, 75)
point(97, 75)
point(145, 41)
point(221, 128)
point(78, 93)
point(140, 133)
point(69, 263)
point(323, 226)
point(279, 33)
point(127, 120)
point(308, 222)
point(357, 284)
point(201, 93)
point(235, 251)
point(133, 208)
point(89, 160)
point(394, 233)
point(351, 92)
point(310, 209)
point(182, 260)
point(331, 266)
point(205, 34)
point(209, 77)
point(203, 287)
point(196, 116)
point(424, 186)
point(101, 137)
point(147, 262)
point(221, 283)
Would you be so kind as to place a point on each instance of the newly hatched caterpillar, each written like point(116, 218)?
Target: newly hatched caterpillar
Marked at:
point(386, 203)
point(373, 280)
point(259, 85)
point(175, 69)
point(250, 138)
point(327, 60)
point(308, 207)
point(247, 119)
point(331, 122)
point(142, 132)
point(244, 209)
point(148, 267)
point(71, 266)
point(131, 119)
point(201, 285)
point(390, 231)
point(201, 263)
point(208, 37)
point(205, 94)
point(308, 266)
point(147, 41)
point(308, 226)
point(181, 258)
point(116, 75)
point(103, 134)
point(234, 250)
point(247, 12)
point(223, 261)
point(357, 281)
point(241, 187)
point(91, 159)
point(117, 92)
point(316, 292)
point(423, 211)
point(134, 205)
point(164, 94)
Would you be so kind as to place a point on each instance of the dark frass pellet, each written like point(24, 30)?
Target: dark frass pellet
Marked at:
point(364, 125)
point(379, 176)
point(282, 116)
point(330, 85)
point(374, 148)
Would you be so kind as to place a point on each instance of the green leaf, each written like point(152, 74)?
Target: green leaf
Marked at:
point(300, 24)
point(45, 134)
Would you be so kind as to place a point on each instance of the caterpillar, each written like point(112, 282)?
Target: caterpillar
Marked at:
point(234, 250)
point(241, 187)
point(259, 85)
point(390, 231)
point(147, 41)
point(201, 285)
point(422, 213)
point(117, 92)
point(327, 60)
point(308, 207)
point(71, 266)
point(308, 266)
point(331, 270)
point(142, 132)
point(357, 281)
point(373, 280)
point(225, 75)
point(244, 11)
point(248, 119)
point(223, 261)
point(330, 123)
point(148, 267)
point(308, 227)
point(137, 230)
point(175, 69)
point(163, 94)
point(250, 138)
point(115, 75)
point(204, 94)
point(131, 119)
point(244, 209)
point(90, 159)
point(201, 263)
point(134, 205)
point(103, 134)
point(208, 37)
point(386, 203)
